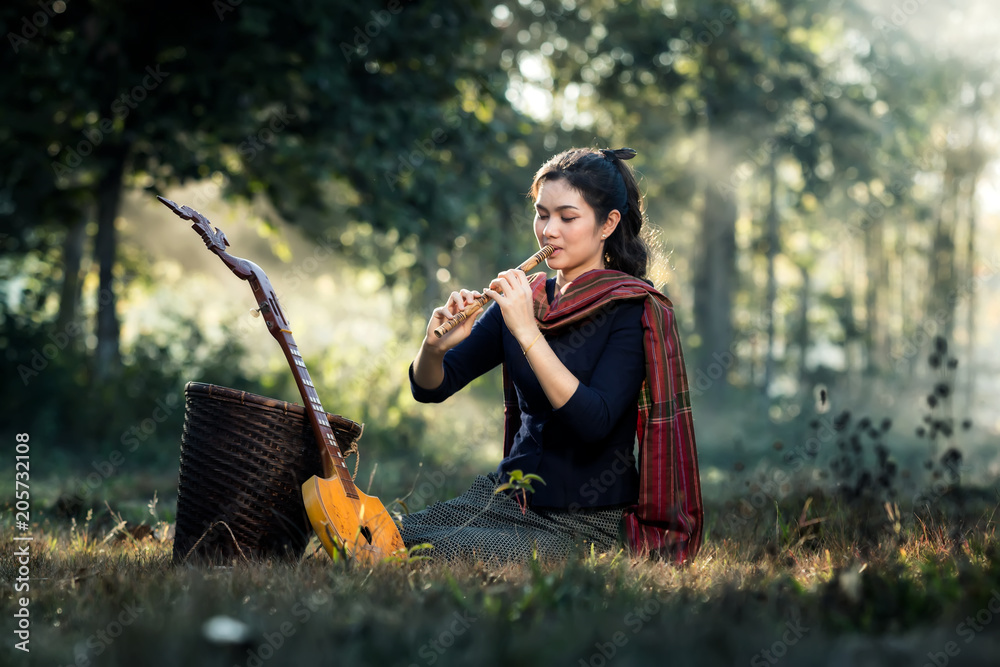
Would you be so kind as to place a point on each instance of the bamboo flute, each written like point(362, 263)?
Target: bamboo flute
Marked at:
point(477, 305)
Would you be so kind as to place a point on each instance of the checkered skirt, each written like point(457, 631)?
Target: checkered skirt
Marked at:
point(481, 525)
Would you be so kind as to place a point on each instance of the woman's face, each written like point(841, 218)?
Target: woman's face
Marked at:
point(565, 220)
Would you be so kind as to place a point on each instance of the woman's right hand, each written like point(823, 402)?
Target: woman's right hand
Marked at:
point(456, 303)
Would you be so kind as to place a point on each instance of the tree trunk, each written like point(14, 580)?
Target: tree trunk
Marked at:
point(773, 243)
point(941, 263)
point(803, 330)
point(108, 357)
point(69, 296)
point(902, 296)
point(847, 313)
point(970, 260)
point(874, 264)
point(715, 274)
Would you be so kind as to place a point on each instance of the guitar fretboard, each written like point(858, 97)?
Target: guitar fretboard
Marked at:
point(314, 409)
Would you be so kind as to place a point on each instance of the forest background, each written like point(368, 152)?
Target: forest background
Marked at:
point(820, 179)
point(821, 182)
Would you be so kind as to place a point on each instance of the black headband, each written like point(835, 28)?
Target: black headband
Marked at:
point(615, 157)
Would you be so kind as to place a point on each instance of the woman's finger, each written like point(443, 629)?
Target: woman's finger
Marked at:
point(458, 301)
point(501, 284)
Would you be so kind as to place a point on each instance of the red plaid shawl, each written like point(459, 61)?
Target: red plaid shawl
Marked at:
point(667, 519)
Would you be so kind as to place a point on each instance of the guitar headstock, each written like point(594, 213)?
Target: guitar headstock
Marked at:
point(267, 300)
point(214, 239)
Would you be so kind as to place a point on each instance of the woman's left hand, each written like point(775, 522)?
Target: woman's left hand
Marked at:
point(512, 293)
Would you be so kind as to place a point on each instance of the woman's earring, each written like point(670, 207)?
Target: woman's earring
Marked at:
point(604, 236)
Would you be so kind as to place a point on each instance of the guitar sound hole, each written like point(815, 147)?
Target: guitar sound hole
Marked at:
point(367, 533)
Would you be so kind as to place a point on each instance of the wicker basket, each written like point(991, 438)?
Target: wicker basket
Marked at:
point(243, 460)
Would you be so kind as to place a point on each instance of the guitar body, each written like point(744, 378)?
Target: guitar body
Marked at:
point(361, 525)
point(344, 518)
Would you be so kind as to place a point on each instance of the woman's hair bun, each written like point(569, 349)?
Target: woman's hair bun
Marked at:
point(619, 153)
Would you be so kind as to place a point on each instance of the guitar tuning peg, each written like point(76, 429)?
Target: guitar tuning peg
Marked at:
point(255, 312)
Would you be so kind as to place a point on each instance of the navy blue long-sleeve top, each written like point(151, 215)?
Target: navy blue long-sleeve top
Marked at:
point(584, 450)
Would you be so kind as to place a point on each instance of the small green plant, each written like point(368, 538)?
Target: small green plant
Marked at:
point(521, 485)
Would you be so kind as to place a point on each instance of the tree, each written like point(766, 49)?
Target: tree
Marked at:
point(274, 99)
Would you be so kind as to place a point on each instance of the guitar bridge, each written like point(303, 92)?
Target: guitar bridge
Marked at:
point(367, 533)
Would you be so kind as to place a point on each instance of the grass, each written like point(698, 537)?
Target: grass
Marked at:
point(811, 580)
point(830, 551)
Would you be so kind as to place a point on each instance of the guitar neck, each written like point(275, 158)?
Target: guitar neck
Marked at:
point(330, 454)
point(332, 457)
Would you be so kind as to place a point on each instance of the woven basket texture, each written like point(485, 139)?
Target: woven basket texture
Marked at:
point(244, 458)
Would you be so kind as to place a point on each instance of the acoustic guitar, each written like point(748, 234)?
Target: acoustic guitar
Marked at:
point(346, 520)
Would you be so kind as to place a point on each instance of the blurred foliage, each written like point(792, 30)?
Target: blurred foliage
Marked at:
point(802, 162)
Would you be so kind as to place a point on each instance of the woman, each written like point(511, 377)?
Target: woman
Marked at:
point(591, 360)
